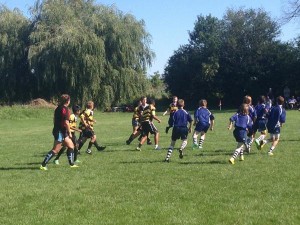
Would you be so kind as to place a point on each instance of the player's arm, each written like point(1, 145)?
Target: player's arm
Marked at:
point(67, 126)
point(83, 120)
point(166, 112)
point(75, 129)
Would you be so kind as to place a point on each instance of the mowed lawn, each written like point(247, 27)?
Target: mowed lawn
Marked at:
point(123, 186)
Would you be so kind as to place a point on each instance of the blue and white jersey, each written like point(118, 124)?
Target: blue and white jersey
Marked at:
point(261, 111)
point(241, 121)
point(252, 112)
point(203, 116)
point(276, 116)
point(181, 118)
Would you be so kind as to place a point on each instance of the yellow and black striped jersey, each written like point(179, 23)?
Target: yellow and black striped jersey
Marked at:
point(88, 117)
point(136, 114)
point(173, 107)
point(146, 112)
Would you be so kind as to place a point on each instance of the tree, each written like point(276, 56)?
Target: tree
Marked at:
point(13, 55)
point(292, 11)
point(89, 51)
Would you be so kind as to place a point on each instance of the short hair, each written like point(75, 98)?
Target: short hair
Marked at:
point(90, 105)
point(247, 99)
point(142, 98)
point(64, 98)
point(76, 108)
point(261, 99)
point(180, 103)
point(152, 101)
point(244, 109)
point(203, 102)
point(175, 97)
point(280, 100)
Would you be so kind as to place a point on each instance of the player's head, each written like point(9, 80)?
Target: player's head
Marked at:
point(175, 98)
point(280, 100)
point(90, 105)
point(76, 109)
point(244, 109)
point(261, 99)
point(180, 103)
point(202, 103)
point(64, 99)
point(152, 102)
point(143, 100)
point(247, 100)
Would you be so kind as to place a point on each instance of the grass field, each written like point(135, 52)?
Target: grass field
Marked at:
point(124, 186)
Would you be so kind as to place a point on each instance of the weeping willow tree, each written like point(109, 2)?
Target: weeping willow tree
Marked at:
point(13, 54)
point(90, 51)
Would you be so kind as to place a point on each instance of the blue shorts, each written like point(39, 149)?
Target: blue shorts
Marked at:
point(179, 133)
point(260, 125)
point(201, 127)
point(274, 130)
point(59, 136)
point(135, 122)
point(240, 135)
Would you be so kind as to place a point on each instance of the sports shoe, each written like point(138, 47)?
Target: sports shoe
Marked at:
point(89, 151)
point(180, 153)
point(242, 158)
point(149, 142)
point(167, 160)
point(270, 153)
point(257, 144)
point(127, 142)
point(262, 143)
point(74, 166)
point(138, 149)
point(56, 162)
point(157, 148)
point(231, 160)
point(43, 168)
point(200, 147)
point(101, 148)
point(77, 161)
point(195, 146)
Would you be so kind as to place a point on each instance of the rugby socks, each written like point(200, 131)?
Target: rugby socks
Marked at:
point(183, 145)
point(61, 151)
point(130, 139)
point(96, 144)
point(70, 154)
point(195, 136)
point(238, 151)
point(80, 144)
point(201, 141)
point(48, 157)
point(90, 145)
point(271, 149)
point(170, 150)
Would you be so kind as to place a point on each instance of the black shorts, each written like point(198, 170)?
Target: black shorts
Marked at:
point(87, 133)
point(179, 133)
point(148, 127)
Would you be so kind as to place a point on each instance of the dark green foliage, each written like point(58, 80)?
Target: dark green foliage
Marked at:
point(235, 56)
point(78, 47)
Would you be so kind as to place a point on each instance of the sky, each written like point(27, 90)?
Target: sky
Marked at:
point(168, 21)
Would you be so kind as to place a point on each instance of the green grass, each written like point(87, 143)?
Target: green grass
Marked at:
point(123, 186)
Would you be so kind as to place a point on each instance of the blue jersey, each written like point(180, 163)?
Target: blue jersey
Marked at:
point(261, 111)
point(276, 116)
point(241, 121)
point(252, 112)
point(181, 118)
point(203, 116)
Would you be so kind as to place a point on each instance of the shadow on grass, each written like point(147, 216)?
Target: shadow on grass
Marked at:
point(142, 161)
point(19, 168)
point(208, 162)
